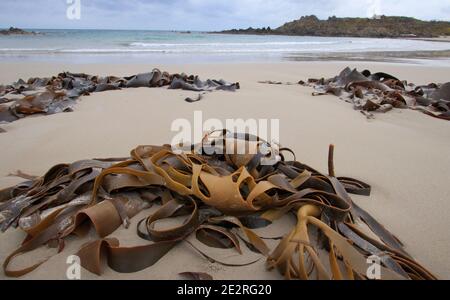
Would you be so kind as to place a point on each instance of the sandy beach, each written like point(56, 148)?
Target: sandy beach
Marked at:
point(402, 154)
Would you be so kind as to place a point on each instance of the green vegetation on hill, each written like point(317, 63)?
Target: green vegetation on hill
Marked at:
point(356, 27)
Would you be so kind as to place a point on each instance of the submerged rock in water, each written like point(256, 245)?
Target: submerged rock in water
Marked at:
point(16, 31)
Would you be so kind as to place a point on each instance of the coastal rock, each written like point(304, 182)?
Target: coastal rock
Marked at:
point(378, 27)
point(16, 31)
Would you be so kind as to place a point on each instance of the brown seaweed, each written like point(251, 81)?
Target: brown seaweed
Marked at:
point(196, 276)
point(382, 92)
point(222, 198)
point(191, 100)
point(59, 93)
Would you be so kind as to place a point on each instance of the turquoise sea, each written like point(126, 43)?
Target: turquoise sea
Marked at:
point(85, 46)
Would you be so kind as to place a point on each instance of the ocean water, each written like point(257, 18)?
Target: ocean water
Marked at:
point(84, 46)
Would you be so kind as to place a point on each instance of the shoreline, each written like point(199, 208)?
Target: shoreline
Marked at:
point(377, 56)
point(429, 39)
point(178, 48)
point(443, 39)
point(439, 57)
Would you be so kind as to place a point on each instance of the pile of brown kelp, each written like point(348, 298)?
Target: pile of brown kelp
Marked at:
point(59, 93)
point(222, 196)
point(381, 92)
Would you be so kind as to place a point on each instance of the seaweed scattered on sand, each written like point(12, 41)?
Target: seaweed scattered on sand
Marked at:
point(381, 92)
point(223, 198)
point(59, 93)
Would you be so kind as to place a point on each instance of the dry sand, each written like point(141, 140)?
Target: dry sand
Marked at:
point(404, 154)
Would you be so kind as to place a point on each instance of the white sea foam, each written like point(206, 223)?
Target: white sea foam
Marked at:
point(156, 45)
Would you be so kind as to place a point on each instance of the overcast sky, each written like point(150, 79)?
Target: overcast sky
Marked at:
point(203, 14)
